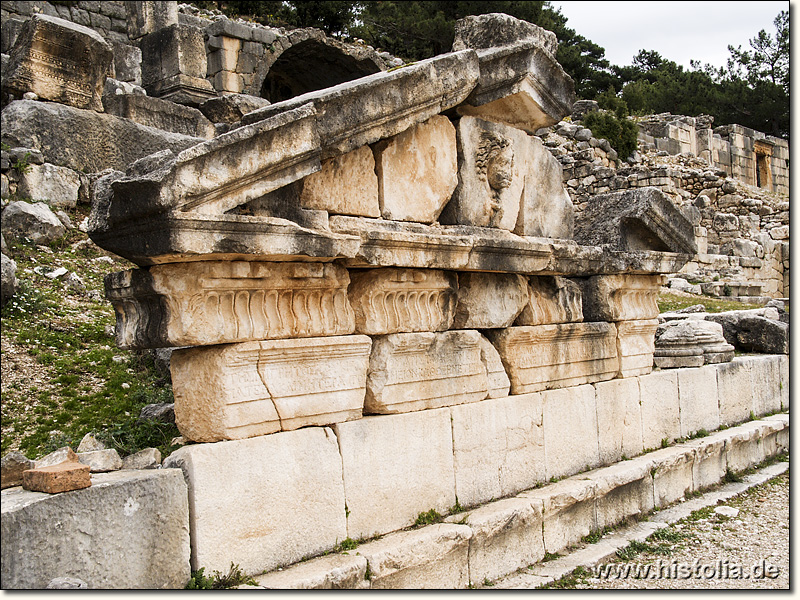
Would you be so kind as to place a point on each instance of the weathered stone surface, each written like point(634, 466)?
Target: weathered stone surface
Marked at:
point(101, 461)
point(492, 164)
point(753, 333)
point(489, 300)
point(127, 63)
point(147, 17)
point(9, 279)
point(378, 106)
point(660, 408)
point(690, 343)
point(263, 502)
point(522, 85)
point(63, 477)
point(497, 29)
point(333, 572)
point(33, 221)
point(498, 447)
point(84, 140)
point(546, 210)
point(506, 536)
point(104, 535)
point(621, 297)
point(402, 300)
point(432, 557)
point(161, 114)
point(619, 419)
point(389, 482)
point(418, 371)
point(636, 219)
point(568, 511)
point(768, 385)
point(64, 454)
point(67, 583)
point(230, 108)
point(55, 186)
point(89, 443)
point(570, 431)
point(553, 356)
point(163, 412)
point(417, 171)
point(149, 458)
point(673, 474)
point(243, 390)
point(346, 185)
point(11, 468)
point(697, 391)
point(622, 490)
point(635, 347)
point(215, 302)
point(745, 446)
point(552, 300)
point(499, 383)
point(710, 462)
point(59, 61)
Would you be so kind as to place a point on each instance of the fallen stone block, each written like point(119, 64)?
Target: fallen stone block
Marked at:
point(660, 408)
point(497, 29)
point(690, 343)
point(61, 455)
point(55, 186)
point(498, 447)
point(230, 108)
point(388, 482)
point(697, 393)
point(553, 356)
point(570, 431)
point(345, 185)
point(417, 371)
point(33, 221)
point(101, 461)
point(417, 171)
point(619, 419)
point(489, 300)
point(160, 114)
point(149, 458)
point(58, 61)
point(104, 534)
point(63, 477)
point(552, 300)
point(333, 572)
point(236, 391)
point(265, 501)
point(388, 301)
point(11, 468)
point(9, 284)
point(434, 557)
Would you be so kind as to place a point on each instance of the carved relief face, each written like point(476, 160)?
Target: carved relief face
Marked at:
point(499, 170)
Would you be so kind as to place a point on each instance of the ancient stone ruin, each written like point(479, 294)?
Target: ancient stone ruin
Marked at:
point(384, 301)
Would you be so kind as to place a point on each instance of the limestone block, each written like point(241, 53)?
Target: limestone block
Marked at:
point(710, 460)
point(84, 140)
point(499, 383)
point(660, 408)
point(230, 108)
point(546, 210)
point(619, 419)
point(568, 511)
point(149, 458)
point(498, 447)
point(622, 490)
point(64, 454)
point(129, 530)
point(11, 468)
point(417, 171)
point(263, 502)
point(101, 461)
point(402, 300)
point(570, 431)
point(783, 381)
point(56, 186)
point(346, 185)
point(332, 572)
point(506, 536)
point(388, 481)
point(766, 377)
point(434, 557)
point(8, 277)
point(635, 346)
point(699, 408)
point(781, 436)
point(492, 164)
point(147, 17)
point(774, 438)
point(161, 114)
point(489, 300)
point(745, 448)
point(33, 221)
point(215, 302)
point(735, 391)
point(636, 219)
point(351, 117)
point(552, 300)
point(417, 371)
point(553, 356)
point(58, 61)
point(673, 473)
point(681, 343)
point(236, 391)
point(621, 297)
point(63, 477)
point(497, 29)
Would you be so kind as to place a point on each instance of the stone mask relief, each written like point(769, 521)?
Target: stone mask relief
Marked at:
point(495, 164)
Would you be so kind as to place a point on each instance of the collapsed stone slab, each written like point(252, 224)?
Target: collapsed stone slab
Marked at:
point(160, 114)
point(216, 302)
point(752, 332)
point(59, 61)
point(235, 391)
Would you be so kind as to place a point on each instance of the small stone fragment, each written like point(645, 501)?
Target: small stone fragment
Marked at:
point(101, 461)
point(61, 455)
point(149, 458)
point(63, 477)
point(11, 468)
point(89, 443)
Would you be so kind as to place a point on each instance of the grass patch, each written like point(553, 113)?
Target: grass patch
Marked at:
point(233, 578)
point(428, 518)
point(577, 577)
point(668, 302)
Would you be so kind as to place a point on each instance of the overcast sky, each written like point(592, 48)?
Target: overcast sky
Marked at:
point(679, 31)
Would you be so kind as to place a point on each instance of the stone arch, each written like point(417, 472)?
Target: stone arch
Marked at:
point(306, 61)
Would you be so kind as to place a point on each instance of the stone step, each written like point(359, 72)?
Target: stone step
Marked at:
point(491, 541)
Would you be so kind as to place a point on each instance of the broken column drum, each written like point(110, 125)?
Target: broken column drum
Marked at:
point(445, 274)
